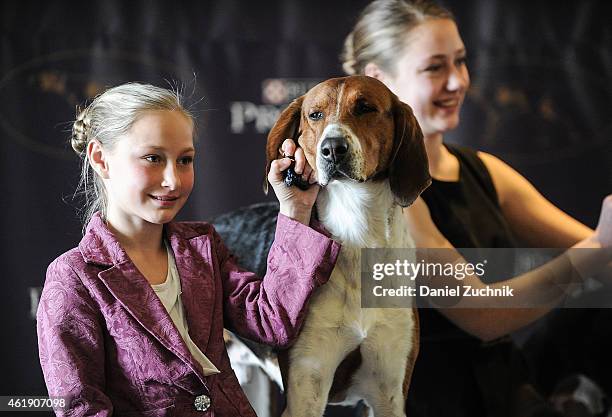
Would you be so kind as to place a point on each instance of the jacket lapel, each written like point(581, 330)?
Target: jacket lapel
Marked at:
point(194, 263)
point(134, 293)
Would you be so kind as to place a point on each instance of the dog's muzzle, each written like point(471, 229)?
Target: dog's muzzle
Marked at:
point(334, 150)
point(334, 157)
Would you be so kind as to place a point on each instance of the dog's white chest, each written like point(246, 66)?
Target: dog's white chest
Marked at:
point(337, 304)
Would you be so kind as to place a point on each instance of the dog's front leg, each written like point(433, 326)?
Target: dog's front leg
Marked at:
point(313, 361)
point(386, 352)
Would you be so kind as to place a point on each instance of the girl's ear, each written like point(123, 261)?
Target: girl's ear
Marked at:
point(97, 158)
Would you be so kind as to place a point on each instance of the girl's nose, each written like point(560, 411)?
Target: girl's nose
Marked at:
point(171, 178)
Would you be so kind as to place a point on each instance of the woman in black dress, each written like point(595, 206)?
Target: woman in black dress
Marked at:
point(467, 364)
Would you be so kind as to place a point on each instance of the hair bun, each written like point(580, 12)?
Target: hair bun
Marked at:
point(80, 132)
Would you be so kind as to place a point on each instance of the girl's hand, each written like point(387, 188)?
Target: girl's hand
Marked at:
point(294, 202)
point(603, 232)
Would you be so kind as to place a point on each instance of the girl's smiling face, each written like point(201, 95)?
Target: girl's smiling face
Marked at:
point(431, 75)
point(149, 171)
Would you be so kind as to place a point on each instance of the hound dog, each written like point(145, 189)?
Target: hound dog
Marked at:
point(368, 153)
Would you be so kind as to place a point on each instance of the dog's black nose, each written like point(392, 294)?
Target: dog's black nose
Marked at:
point(334, 149)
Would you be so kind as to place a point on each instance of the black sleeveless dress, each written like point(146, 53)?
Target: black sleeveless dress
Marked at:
point(456, 374)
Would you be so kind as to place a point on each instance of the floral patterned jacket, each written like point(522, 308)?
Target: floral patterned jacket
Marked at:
point(109, 347)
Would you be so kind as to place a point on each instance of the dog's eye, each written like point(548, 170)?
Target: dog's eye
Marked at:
point(316, 115)
point(362, 108)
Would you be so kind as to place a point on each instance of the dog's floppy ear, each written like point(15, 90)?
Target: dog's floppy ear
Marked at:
point(287, 126)
point(409, 169)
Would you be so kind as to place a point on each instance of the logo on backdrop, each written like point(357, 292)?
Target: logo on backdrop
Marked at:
point(276, 93)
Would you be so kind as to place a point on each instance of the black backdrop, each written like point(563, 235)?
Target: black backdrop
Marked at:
point(540, 99)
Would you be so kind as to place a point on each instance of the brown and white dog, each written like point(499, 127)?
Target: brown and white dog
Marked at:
point(368, 153)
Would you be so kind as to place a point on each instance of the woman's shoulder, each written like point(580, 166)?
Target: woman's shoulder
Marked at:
point(497, 167)
point(505, 178)
point(474, 155)
point(492, 162)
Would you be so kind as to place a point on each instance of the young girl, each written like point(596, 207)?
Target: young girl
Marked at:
point(131, 321)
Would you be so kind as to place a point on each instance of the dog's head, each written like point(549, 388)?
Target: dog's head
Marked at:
point(355, 128)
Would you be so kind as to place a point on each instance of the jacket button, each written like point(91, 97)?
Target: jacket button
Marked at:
point(202, 402)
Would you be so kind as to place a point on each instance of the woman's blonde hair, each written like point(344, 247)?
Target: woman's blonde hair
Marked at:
point(109, 116)
point(380, 32)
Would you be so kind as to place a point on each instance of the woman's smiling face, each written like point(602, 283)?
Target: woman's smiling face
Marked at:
point(431, 75)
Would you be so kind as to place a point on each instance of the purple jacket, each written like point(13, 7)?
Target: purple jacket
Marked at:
point(107, 343)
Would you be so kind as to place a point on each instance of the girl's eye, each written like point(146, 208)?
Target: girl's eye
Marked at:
point(316, 115)
point(187, 160)
point(461, 61)
point(153, 158)
point(434, 68)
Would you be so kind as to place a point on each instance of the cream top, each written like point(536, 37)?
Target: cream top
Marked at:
point(169, 293)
